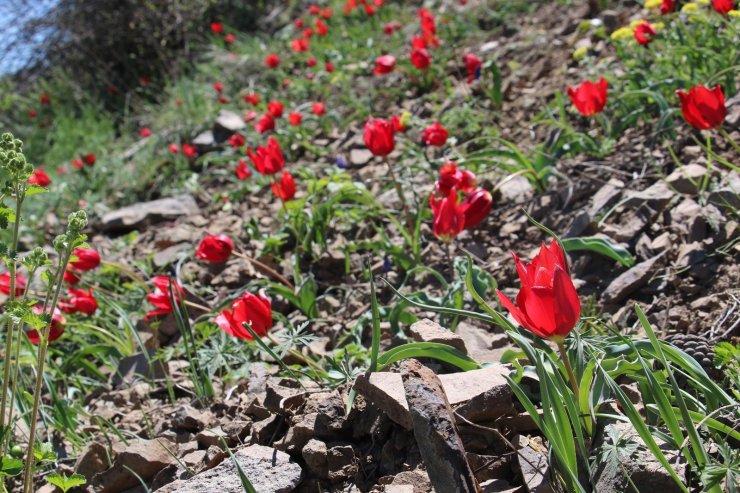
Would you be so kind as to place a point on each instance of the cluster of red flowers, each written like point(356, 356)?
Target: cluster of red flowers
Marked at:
point(452, 215)
point(218, 29)
point(269, 160)
point(85, 259)
point(369, 6)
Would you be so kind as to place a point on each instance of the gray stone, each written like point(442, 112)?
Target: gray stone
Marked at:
point(204, 140)
point(532, 457)
point(145, 458)
point(139, 215)
point(426, 330)
point(139, 366)
point(360, 157)
point(687, 179)
point(434, 429)
point(315, 454)
point(228, 122)
point(92, 460)
point(517, 189)
point(269, 471)
point(341, 462)
point(656, 196)
point(607, 196)
point(629, 281)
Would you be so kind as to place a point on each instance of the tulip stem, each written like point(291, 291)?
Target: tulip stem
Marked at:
point(451, 260)
point(727, 137)
point(402, 198)
point(568, 368)
point(265, 269)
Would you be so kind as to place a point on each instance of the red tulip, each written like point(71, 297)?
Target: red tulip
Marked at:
point(265, 123)
point(145, 132)
point(250, 115)
point(252, 99)
point(112, 90)
point(57, 326)
point(89, 158)
point(217, 27)
point(268, 159)
point(398, 124)
point(173, 148)
point(369, 10)
point(223, 99)
point(723, 6)
point(644, 33)
point(329, 67)
point(307, 33)
point(160, 297)
point(420, 58)
point(435, 135)
point(299, 45)
point(189, 151)
point(319, 109)
point(275, 108)
point(449, 217)
point(391, 27)
point(218, 87)
point(299, 23)
point(295, 119)
point(284, 188)
point(314, 9)
point(272, 60)
point(236, 140)
point(79, 301)
point(379, 136)
point(450, 177)
point(40, 178)
point(321, 28)
point(547, 303)
point(44, 99)
point(242, 170)
point(427, 21)
point(589, 98)
point(71, 277)
point(20, 284)
point(143, 81)
point(472, 65)
point(311, 62)
point(667, 6)
point(476, 206)
point(215, 248)
point(327, 12)
point(418, 43)
point(86, 259)
point(32, 114)
point(254, 310)
point(384, 64)
point(702, 107)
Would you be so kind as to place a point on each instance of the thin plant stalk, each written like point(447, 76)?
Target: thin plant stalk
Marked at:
point(401, 197)
point(729, 139)
point(28, 473)
point(566, 361)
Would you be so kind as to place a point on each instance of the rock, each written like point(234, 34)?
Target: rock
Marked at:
point(360, 157)
point(315, 454)
point(606, 197)
point(269, 471)
point(263, 431)
point(518, 189)
point(139, 215)
point(727, 197)
point(92, 460)
point(145, 458)
point(688, 216)
point(426, 330)
point(641, 467)
point(465, 391)
point(532, 457)
point(214, 437)
point(629, 281)
point(488, 467)
point(341, 462)
point(656, 196)
point(418, 480)
point(434, 429)
point(690, 256)
point(188, 419)
point(204, 141)
point(277, 394)
point(137, 366)
point(687, 178)
point(483, 345)
point(194, 460)
point(498, 486)
point(170, 255)
point(228, 122)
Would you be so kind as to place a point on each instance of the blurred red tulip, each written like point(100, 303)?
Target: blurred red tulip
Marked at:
point(314, 9)
point(398, 124)
point(223, 99)
point(311, 62)
point(272, 60)
point(420, 58)
point(391, 27)
point(217, 27)
point(295, 119)
point(229, 39)
point(384, 64)
point(299, 23)
point(160, 297)
point(265, 123)
point(20, 284)
point(319, 108)
point(476, 207)
point(448, 216)
point(307, 33)
point(644, 33)
point(40, 178)
point(173, 148)
point(77, 164)
point(252, 99)
point(379, 136)
point(112, 90)
point(215, 248)
point(86, 259)
point(32, 114)
point(250, 115)
point(145, 132)
point(242, 170)
point(321, 28)
point(189, 151)
point(44, 99)
point(254, 310)
point(547, 304)
point(435, 135)
point(284, 188)
point(327, 12)
point(589, 98)
point(89, 158)
point(218, 87)
point(71, 277)
point(79, 301)
point(237, 140)
point(57, 326)
point(472, 65)
point(329, 67)
point(723, 6)
point(268, 159)
point(299, 45)
point(667, 6)
point(702, 107)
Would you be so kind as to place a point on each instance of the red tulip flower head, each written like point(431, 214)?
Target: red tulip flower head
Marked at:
point(272, 60)
point(329, 67)
point(472, 65)
point(449, 216)
point(702, 107)
point(40, 178)
point(173, 148)
point(299, 23)
point(547, 303)
point(87, 259)
point(189, 150)
point(215, 248)
point(327, 12)
point(476, 207)
point(644, 33)
point(275, 108)
point(295, 118)
point(265, 124)
point(311, 62)
point(384, 64)
point(268, 159)
point(420, 58)
point(451, 177)
point(400, 123)
point(435, 135)
point(254, 310)
point(145, 132)
point(79, 301)
point(299, 45)
point(236, 140)
point(723, 6)
point(32, 114)
point(20, 284)
point(589, 98)
point(217, 27)
point(284, 188)
point(314, 9)
point(321, 28)
point(229, 39)
point(44, 99)
point(252, 99)
point(319, 109)
point(160, 297)
point(71, 277)
point(667, 6)
point(218, 87)
point(89, 158)
point(379, 136)
point(57, 326)
point(242, 170)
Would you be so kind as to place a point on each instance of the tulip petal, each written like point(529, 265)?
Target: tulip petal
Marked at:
point(567, 302)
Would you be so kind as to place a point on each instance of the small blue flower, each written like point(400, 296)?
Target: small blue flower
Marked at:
point(341, 162)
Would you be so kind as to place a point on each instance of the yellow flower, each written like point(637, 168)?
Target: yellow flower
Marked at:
point(405, 117)
point(734, 13)
point(690, 8)
point(702, 2)
point(636, 23)
point(658, 26)
point(651, 4)
point(622, 33)
point(580, 53)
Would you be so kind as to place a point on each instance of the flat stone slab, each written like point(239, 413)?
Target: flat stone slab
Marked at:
point(138, 215)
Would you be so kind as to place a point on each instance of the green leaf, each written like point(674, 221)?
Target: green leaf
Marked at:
point(44, 452)
point(64, 482)
point(435, 350)
point(10, 466)
point(599, 245)
point(35, 190)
